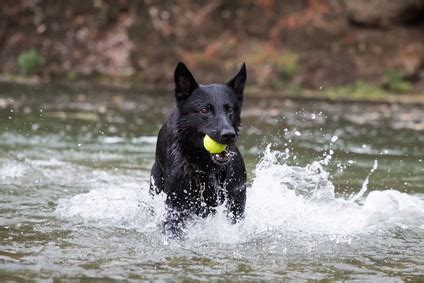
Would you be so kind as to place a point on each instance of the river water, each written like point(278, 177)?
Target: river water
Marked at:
point(336, 191)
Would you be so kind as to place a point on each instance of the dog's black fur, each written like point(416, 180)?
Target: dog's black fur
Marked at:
point(194, 180)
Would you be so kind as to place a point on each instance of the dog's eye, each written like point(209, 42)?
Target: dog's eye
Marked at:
point(230, 110)
point(204, 110)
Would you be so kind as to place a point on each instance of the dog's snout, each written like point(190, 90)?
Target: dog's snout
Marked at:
point(228, 135)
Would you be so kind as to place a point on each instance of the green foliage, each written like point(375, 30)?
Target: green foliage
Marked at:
point(29, 62)
point(244, 268)
point(287, 64)
point(358, 90)
point(72, 76)
point(396, 82)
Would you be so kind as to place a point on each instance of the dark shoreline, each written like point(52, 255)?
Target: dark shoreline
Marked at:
point(253, 91)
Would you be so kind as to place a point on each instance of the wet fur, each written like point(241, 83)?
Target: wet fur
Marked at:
point(193, 183)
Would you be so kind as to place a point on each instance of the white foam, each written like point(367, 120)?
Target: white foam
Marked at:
point(127, 205)
point(303, 199)
point(12, 169)
point(282, 199)
point(145, 139)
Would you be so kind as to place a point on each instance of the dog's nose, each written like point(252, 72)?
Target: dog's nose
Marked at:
point(228, 135)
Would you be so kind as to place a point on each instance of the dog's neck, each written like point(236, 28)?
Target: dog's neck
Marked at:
point(193, 159)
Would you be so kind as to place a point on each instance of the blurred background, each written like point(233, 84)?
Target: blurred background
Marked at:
point(347, 48)
point(332, 138)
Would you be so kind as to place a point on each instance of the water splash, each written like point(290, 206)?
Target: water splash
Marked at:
point(283, 201)
point(364, 186)
point(127, 206)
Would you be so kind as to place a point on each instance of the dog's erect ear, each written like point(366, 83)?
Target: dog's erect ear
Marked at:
point(237, 83)
point(184, 82)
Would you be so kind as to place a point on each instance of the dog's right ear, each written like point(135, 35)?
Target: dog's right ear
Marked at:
point(237, 83)
point(184, 82)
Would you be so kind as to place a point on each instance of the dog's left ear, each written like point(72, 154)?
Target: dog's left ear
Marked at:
point(237, 83)
point(184, 82)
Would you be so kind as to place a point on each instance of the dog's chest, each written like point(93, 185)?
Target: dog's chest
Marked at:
point(209, 188)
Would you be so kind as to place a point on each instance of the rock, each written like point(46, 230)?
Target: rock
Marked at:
point(383, 12)
point(411, 59)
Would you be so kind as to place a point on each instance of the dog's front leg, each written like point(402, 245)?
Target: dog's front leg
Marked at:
point(173, 225)
point(236, 203)
point(156, 179)
point(174, 221)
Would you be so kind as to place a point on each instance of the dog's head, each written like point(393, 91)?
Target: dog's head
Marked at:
point(212, 110)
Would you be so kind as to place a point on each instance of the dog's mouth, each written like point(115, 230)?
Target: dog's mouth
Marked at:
point(223, 157)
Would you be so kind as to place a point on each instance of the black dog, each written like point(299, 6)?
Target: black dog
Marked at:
point(194, 180)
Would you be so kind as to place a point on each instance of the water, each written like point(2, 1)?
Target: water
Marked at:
point(335, 191)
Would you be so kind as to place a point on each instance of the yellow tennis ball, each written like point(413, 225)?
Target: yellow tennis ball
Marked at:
point(213, 146)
